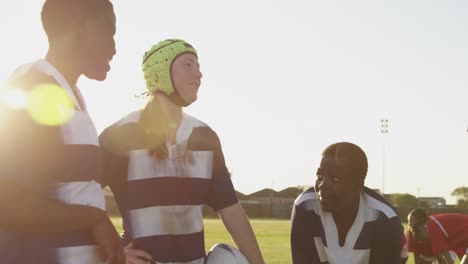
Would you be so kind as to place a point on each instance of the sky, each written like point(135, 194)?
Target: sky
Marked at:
point(282, 80)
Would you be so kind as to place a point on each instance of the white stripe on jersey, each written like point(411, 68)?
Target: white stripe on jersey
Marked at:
point(440, 225)
point(194, 164)
point(80, 130)
point(79, 255)
point(304, 197)
point(186, 127)
point(380, 206)
point(47, 68)
point(183, 131)
point(347, 253)
point(320, 249)
point(166, 220)
point(83, 193)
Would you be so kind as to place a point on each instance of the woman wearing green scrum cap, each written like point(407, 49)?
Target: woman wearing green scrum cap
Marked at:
point(163, 166)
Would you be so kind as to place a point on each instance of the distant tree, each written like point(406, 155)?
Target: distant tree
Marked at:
point(462, 204)
point(303, 187)
point(403, 200)
point(461, 193)
point(291, 192)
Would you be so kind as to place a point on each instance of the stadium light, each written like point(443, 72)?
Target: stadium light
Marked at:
point(384, 127)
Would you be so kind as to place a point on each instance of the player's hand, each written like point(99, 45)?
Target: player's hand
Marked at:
point(135, 256)
point(109, 242)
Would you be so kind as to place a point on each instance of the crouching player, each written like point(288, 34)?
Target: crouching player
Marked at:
point(434, 237)
point(342, 221)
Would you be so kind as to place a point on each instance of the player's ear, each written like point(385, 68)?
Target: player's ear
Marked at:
point(359, 184)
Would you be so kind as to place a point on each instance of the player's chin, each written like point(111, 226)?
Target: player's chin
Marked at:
point(190, 100)
point(98, 76)
point(97, 70)
point(326, 206)
point(193, 100)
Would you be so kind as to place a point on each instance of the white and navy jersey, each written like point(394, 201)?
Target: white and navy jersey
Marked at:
point(374, 237)
point(161, 199)
point(54, 162)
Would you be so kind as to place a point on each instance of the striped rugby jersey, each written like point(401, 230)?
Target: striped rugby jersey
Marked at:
point(161, 200)
point(376, 235)
point(61, 163)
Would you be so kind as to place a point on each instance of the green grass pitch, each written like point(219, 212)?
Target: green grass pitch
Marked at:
point(272, 236)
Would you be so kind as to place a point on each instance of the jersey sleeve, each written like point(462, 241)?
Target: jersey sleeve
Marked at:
point(298, 242)
point(387, 242)
point(439, 241)
point(303, 244)
point(222, 193)
point(31, 154)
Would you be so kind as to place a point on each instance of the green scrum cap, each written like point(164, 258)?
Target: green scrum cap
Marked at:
point(157, 64)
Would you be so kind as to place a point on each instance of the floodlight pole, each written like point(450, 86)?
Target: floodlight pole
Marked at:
point(384, 127)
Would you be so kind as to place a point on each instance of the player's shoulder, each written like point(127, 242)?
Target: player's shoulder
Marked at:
point(27, 77)
point(193, 122)
point(451, 217)
point(450, 221)
point(307, 200)
point(377, 202)
point(132, 117)
point(121, 126)
point(124, 135)
point(201, 136)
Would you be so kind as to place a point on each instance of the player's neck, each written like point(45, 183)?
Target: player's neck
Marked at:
point(345, 217)
point(64, 63)
point(173, 114)
point(172, 111)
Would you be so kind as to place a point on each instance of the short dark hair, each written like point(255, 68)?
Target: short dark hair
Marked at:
point(60, 16)
point(351, 156)
point(420, 216)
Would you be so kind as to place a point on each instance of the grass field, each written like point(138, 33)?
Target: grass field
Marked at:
point(272, 236)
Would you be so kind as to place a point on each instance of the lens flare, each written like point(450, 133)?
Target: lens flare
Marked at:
point(13, 98)
point(50, 105)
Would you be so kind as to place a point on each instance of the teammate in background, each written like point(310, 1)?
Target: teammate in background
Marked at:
point(432, 237)
point(52, 209)
point(164, 165)
point(341, 220)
